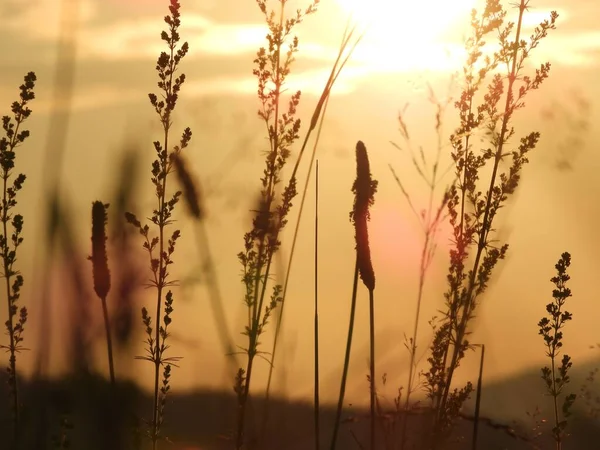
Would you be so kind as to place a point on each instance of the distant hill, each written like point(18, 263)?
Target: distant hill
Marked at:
point(202, 420)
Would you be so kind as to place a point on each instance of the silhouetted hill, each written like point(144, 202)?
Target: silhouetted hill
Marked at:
point(204, 419)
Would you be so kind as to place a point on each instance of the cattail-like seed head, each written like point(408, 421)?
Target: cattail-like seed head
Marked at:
point(190, 191)
point(364, 189)
point(99, 258)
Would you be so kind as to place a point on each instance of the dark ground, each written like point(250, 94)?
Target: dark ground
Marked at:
point(203, 420)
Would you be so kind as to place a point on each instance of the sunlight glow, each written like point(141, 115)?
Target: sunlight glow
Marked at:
point(404, 35)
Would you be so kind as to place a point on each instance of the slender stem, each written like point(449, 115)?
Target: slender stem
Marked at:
point(478, 400)
point(264, 253)
point(555, 401)
point(242, 408)
point(162, 271)
point(316, 325)
point(372, 363)
point(338, 414)
point(552, 353)
point(9, 302)
point(111, 366)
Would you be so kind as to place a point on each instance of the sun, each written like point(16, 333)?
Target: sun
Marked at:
point(411, 34)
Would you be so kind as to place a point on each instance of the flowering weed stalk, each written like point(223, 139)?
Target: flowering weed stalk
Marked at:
point(11, 235)
point(556, 378)
point(160, 247)
point(273, 65)
point(472, 211)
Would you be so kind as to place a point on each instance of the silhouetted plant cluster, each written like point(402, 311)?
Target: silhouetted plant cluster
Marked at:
point(160, 247)
point(273, 65)
point(494, 87)
point(472, 207)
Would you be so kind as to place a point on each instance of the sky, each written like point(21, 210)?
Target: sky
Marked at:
point(115, 44)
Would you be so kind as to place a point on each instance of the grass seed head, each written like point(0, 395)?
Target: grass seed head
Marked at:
point(364, 189)
point(99, 257)
point(190, 189)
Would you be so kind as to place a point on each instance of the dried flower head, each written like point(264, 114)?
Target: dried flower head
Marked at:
point(190, 189)
point(99, 258)
point(364, 189)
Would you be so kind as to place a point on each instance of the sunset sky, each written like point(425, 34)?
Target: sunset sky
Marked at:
point(116, 43)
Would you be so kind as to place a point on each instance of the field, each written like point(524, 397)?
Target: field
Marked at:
point(325, 225)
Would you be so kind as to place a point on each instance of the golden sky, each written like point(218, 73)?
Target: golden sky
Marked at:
point(116, 46)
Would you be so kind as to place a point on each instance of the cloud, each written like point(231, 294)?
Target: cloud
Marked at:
point(43, 19)
point(115, 46)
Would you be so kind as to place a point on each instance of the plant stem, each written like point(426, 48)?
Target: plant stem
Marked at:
point(372, 363)
point(162, 270)
point(340, 404)
point(316, 325)
point(9, 302)
point(242, 408)
point(557, 437)
point(111, 367)
point(478, 400)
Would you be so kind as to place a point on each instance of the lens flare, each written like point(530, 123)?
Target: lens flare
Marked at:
point(405, 35)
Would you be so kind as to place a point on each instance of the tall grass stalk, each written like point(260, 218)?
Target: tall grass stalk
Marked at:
point(160, 247)
point(316, 324)
point(472, 212)
point(101, 273)
point(372, 391)
point(556, 378)
point(364, 188)
point(11, 237)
